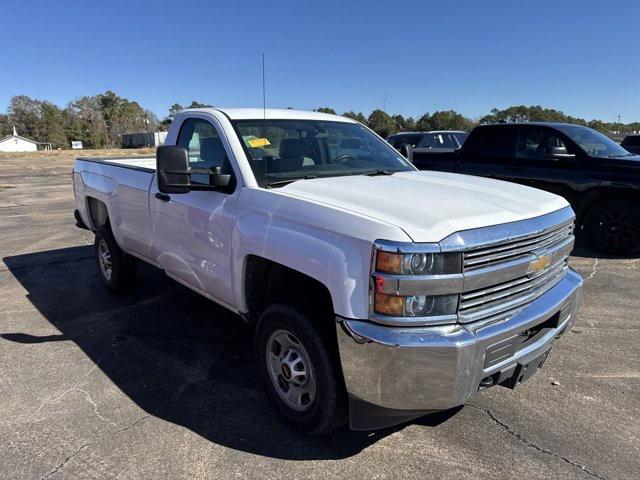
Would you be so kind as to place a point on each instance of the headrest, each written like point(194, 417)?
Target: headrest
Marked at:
point(296, 147)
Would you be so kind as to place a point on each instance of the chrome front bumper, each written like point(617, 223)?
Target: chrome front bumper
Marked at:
point(393, 374)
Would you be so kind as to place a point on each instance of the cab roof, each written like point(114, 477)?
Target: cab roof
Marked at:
point(272, 114)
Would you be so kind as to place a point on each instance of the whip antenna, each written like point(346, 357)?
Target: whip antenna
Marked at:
point(264, 122)
point(264, 95)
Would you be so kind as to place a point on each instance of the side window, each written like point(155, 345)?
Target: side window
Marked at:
point(201, 140)
point(538, 143)
point(492, 142)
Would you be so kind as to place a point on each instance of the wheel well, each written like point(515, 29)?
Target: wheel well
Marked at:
point(268, 282)
point(595, 197)
point(98, 213)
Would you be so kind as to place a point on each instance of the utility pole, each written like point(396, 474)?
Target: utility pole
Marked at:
point(146, 124)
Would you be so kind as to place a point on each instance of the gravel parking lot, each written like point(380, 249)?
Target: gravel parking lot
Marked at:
point(161, 383)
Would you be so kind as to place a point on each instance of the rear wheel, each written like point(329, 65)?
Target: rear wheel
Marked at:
point(613, 227)
point(299, 372)
point(117, 269)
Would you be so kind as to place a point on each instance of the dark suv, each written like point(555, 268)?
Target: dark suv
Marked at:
point(597, 176)
point(449, 139)
point(631, 143)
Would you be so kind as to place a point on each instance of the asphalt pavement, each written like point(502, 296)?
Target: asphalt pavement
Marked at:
point(161, 383)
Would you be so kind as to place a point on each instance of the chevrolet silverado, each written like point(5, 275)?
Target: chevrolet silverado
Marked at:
point(377, 293)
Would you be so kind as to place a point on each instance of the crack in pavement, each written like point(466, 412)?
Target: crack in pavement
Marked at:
point(87, 445)
point(530, 444)
point(77, 389)
point(73, 389)
point(594, 269)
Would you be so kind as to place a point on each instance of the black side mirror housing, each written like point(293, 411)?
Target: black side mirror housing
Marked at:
point(172, 165)
point(218, 179)
point(559, 153)
point(174, 173)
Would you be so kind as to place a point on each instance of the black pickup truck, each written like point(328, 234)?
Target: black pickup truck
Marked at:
point(631, 143)
point(599, 178)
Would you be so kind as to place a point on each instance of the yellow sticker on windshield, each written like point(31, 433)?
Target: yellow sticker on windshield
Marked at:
point(258, 142)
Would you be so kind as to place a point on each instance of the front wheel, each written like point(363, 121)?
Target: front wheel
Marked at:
point(613, 227)
point(299, 372)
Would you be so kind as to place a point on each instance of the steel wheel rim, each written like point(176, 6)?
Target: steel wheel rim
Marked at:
point(290, 370)
point(615, 228)
point(104, 259)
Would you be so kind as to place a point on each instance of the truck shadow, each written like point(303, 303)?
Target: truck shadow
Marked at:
point(178, 356)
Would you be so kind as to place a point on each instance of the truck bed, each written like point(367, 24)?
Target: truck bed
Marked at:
point(147, 164)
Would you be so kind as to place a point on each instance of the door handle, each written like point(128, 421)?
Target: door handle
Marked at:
point(162, 196)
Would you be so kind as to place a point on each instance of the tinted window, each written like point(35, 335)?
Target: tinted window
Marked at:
point(492, 142)
point(205, 147)
point(538, 143)
point(592, 142)
point(438, 140)
point(400, 140)
point(461, 137)
point(631, 141)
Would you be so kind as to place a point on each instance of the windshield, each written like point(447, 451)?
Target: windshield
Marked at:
point(438, 140)
point(592, 142)
point(282, 151)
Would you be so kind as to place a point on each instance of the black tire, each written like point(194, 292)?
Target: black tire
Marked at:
point(123, 267)
point(613, 227)
point(327, 410)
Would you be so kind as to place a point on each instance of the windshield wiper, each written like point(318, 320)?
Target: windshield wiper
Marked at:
point(380, 172)
point(280, 183)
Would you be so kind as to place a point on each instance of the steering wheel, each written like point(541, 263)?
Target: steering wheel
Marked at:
point(344, 158)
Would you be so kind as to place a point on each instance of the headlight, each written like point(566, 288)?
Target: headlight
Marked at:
point(409, 283)
point(418, 263)
point(415, 305)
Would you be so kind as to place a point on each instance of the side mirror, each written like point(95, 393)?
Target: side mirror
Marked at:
point(172, 165)
point(559, 153)
point(218, 179)
point(175, 175)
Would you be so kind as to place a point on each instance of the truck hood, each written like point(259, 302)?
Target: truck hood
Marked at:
point(429, 206)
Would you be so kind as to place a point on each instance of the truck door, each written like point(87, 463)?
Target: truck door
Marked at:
point(545, 159)
point(192, 231)
point(488, 151)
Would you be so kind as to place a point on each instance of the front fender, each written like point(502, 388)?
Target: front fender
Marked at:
point(326, 244)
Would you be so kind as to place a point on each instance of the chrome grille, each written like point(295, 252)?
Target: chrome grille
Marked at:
point(508, 296)
point(513, 249)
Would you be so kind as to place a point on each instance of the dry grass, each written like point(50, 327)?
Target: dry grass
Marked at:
point(71, 154)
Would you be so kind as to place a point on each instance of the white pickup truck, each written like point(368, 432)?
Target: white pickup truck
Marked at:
point(378, 293)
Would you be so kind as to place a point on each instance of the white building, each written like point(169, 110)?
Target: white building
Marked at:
point(16, 143)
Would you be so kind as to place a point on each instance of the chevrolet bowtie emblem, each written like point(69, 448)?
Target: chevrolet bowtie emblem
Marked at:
point(539, 264)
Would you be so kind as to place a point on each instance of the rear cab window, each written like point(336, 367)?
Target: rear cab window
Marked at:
point(492, 142)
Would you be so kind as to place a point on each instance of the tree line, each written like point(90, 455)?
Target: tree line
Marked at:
point(385, 124)
point(100, 120)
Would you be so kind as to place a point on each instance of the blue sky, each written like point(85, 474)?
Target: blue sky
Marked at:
point(581, 57)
